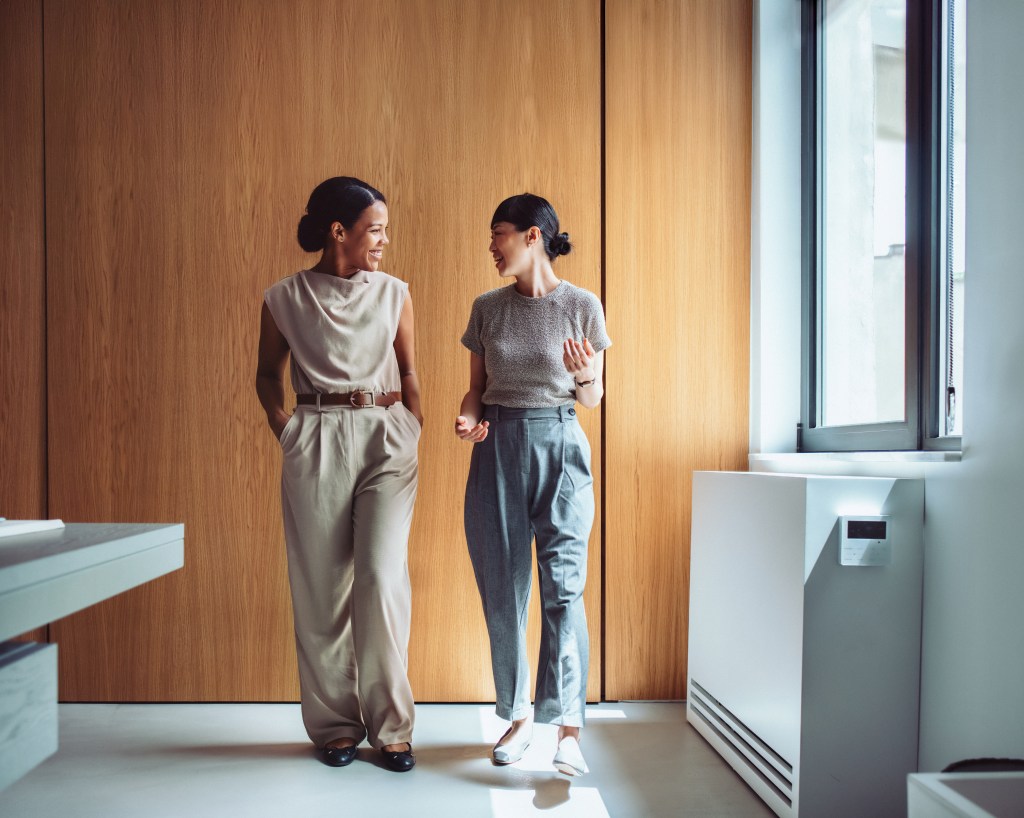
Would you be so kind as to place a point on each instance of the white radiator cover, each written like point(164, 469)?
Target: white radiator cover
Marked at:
point(805, 674)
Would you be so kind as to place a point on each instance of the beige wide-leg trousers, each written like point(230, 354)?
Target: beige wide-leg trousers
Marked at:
point(347, 489)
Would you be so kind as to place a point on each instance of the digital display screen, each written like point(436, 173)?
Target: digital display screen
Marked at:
point(865, 529)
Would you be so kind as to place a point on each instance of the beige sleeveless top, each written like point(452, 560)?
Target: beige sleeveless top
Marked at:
point(340, 330)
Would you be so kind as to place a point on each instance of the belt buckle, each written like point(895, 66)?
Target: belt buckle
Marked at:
point(367, 392)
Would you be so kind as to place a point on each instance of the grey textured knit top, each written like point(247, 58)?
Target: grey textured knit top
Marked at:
point(340, 331)
point(520, 339)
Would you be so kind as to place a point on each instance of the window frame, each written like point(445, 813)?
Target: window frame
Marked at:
point(924, 414)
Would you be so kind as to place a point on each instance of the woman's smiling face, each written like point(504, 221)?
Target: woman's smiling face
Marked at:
point(363, 245)
point(509, 249)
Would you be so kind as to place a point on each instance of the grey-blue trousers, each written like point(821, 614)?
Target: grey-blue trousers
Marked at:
point(531, 478)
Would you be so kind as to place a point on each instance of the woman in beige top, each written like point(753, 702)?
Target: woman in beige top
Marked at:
point(349, 472)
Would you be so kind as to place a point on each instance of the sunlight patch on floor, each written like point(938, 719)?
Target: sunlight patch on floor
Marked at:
point(578, 802)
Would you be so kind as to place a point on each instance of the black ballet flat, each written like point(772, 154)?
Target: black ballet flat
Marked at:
point(338, 756)
point(400, 762)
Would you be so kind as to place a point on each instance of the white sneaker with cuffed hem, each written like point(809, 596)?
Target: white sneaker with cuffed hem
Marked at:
point(569, 758)
point(512, 750)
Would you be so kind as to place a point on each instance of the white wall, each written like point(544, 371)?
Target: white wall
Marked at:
point(973, 682)
point(972, 698)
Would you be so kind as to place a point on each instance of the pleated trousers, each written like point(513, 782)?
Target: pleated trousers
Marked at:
point(348, 486)
point(531, 479)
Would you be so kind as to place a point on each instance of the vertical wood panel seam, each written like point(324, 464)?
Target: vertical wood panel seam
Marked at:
point(46, 279)
point(604, 410)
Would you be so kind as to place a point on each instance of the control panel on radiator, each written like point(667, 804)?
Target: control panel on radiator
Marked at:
point(865, 541)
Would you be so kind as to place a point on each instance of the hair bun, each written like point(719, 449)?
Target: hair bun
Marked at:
point(561, 244)
point(526, 211)
point(310, 235)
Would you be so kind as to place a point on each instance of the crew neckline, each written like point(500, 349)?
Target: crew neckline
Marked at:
point(537, 299)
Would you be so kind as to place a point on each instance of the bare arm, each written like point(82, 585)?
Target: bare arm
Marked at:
point(468, 425)
point(405, 353)
point(273, 355)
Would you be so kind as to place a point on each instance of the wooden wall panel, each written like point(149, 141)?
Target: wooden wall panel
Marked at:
point(183, 138)
point(677, 235)
point(22, 268)
point(489, 122)
point(22, 265)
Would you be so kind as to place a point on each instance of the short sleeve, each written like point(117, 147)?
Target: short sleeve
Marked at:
point(471, 338)
point(593, 323)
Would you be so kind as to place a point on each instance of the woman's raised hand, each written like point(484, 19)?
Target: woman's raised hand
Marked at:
point(579, 359)
point(474, 434)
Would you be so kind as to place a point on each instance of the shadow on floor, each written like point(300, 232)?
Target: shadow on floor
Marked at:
point(240, 750)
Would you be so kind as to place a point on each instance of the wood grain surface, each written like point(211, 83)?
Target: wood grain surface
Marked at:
point(22, 269)
point(22, 265)
point(677, 233)
point(182, 140)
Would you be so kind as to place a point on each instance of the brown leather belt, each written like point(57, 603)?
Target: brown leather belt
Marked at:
point(360, 399)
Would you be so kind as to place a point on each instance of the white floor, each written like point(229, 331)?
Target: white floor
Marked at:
point(254, 760)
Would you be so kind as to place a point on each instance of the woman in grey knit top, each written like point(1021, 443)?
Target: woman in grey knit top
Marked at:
point(536, 349)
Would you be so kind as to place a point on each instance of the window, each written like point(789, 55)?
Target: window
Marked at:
point(883, 224)
point(952, 90)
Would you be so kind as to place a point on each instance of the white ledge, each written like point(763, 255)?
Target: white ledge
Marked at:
point(853, 464)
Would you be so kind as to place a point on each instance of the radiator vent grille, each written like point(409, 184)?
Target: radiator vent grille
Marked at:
point(759, 757)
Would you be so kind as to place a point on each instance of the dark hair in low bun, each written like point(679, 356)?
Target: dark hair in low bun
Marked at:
point(311, 237)
point(527, 210)
point(560, 244)
point(338, 199)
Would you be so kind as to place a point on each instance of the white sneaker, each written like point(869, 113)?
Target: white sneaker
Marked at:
point(512, 750)
point(569, 758)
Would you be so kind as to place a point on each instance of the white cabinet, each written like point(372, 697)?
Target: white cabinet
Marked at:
point(804, 673)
